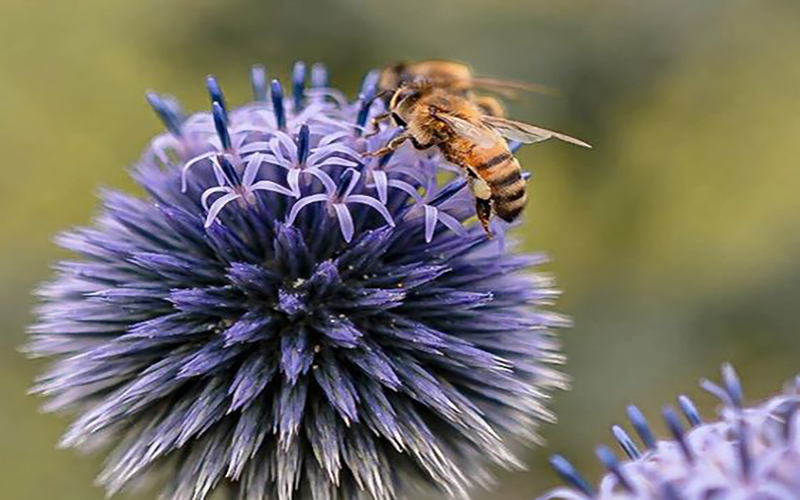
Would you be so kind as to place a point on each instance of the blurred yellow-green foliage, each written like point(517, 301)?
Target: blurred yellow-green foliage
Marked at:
point(676, 240)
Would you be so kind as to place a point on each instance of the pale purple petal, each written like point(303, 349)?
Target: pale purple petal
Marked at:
point(322, 153)
point(190, 164)
point(219, 205)
point(372, 202)
point(251, 170)
point(287, 145)
point(324, 178)
point(238, 137)
point(414, 173)
point(210, 191)
point(254, 147)
point(345, 220)
point(222, 179)
point(430, 222)
point(381, 181)
point(278, 160)
point(279, 152)
point(353, 182)
point(335, 162)
point(452, 223)
point(293, 180)
point(408, 188)
point(274, 187)
point(302, 203)
point(334, 137)
point(160, 144)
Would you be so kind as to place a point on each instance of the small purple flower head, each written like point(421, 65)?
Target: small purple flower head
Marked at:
point(750, 453)
point(281, 318)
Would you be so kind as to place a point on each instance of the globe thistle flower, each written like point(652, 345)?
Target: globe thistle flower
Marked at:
point(749, 453)
point(280, 318)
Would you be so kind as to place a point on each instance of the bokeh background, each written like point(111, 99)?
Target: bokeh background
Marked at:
point(676, 239)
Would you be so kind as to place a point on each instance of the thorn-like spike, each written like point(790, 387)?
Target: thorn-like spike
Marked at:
point(171, 121)
point(230, 172)
point(787, 417)
point(625, 442)
point(277, 104)
point(319, 75)
point(221, 124)
point(303, 144)
point(258, 81)
point(298, 84)
point(369, 87)
point(611, 463)
point(567, 472)
point(215, 92)
point(384, 160)
point(673, 422)
point(743, 449)
point(174, 107)
point(642, 428)
point(689, 410)
point(370, 83)
point(732, 385)
point(345, 179)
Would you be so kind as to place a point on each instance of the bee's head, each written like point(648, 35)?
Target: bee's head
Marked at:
point(404, 98)
point(398, 105)
point(393, 76)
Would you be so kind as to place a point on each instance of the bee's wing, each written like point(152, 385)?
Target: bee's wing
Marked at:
point(508, 88)
point(525, 132)
point(477, 133)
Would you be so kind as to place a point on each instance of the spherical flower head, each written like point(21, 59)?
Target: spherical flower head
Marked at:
point(749, 453)
point(281, 317)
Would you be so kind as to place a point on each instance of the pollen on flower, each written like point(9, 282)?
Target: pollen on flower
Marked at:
point(748, 452)
point(280, 317)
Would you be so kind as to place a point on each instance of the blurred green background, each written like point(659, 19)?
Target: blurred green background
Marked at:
point(676, 239)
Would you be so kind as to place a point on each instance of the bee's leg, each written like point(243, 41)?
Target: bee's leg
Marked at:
point(483, 208)
point(419, 145)
point(375, 121)
point(483, 199)
point(391, 146)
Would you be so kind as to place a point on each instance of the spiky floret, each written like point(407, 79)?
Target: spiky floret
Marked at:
point(283, 319)
point(750, 453)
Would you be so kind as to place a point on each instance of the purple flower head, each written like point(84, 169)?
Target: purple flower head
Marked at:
point(280, 318)
point(749, 453)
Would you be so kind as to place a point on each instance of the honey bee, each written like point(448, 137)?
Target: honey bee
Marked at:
point(456, 78)
point(467, 137)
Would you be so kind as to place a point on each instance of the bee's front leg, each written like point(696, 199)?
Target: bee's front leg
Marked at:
point(420, 146)
point(391, 146)
point(374, 123)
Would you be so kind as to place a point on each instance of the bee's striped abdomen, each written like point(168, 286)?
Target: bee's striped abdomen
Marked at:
point(503, 174)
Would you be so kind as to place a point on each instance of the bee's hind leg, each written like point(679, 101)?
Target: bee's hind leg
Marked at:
point(483, 208)
point(483, 198)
